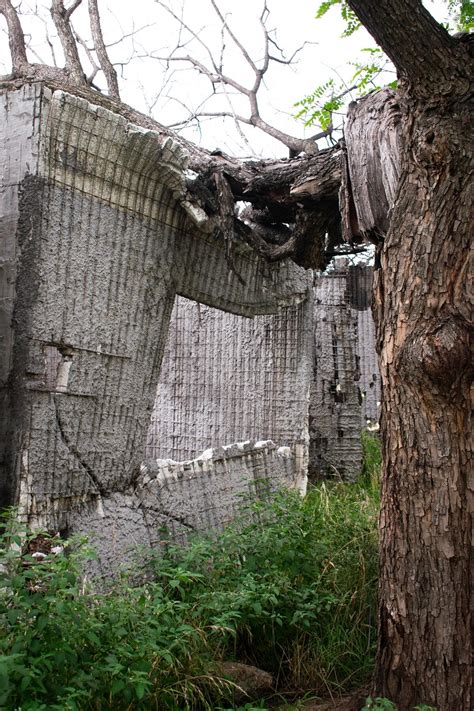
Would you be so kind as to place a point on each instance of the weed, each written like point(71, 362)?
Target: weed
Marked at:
point(372, 462)
point(383, 704)
point(290, 587)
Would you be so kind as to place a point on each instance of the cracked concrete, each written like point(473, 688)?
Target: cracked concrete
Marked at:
point(97, 242)
point(209, 491)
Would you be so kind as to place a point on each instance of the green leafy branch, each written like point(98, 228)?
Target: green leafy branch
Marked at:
point(328, 98)
point(351, 20)
point(462, 13)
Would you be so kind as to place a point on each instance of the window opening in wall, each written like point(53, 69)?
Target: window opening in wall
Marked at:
point(58, 361)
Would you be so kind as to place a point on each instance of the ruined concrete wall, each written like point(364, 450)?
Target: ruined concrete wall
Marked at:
point(203, 494)
point(97, 242)
point(209, 491)
point(345, 386)
point(226, 378)
point(19, 115)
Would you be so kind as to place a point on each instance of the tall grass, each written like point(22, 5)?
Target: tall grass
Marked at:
point(290, 587)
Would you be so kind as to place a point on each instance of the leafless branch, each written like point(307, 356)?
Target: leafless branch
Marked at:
point(126, 35)
point(194, 34)
point(16, 37)
point(195, 115)
point(215, 73)
point(238, 44)
point(72, 8)
point(291, 59)
point(61, 18)
point(90, 56)
point(101, 51)
point(215, 77)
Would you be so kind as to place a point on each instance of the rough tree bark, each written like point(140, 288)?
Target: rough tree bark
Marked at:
point(424, 327)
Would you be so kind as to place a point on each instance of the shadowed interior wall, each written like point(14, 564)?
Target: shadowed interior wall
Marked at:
point(97, 241)
point(226, 378)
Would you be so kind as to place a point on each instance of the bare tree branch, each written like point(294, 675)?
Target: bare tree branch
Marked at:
point(217, 76)
point(16, 37)
point(90, 56)
point(194, 34)
point(61, 18)
point(72, 8)
point(100, 48)
point(126, 35)
point(233, 37)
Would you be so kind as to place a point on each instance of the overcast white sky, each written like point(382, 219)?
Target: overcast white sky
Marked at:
point(147, 88)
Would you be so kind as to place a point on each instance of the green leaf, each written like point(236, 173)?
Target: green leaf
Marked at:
point(117, 686)
point(140, 689)
point(92, 637)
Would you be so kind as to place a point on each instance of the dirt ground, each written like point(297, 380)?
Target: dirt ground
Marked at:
point(353, 702)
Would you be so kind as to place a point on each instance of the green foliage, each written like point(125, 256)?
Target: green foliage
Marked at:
point(378, 704)
point(366, 75)
point(62, 648)
point(351, 20)
point(462, 13)
point(290, 588)
point(317, 108)
point(372, 462)
point(329, 98)
point(382, 704)
point(248, 707)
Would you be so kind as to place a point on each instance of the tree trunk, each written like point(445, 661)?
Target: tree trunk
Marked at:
point(423, 330)
point(422, 316)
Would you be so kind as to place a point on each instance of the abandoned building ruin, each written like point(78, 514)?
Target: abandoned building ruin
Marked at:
point(225, 378)
point(136, 392)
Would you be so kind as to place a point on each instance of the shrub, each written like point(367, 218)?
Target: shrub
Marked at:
point(290, 588)
point(382, 704)
point(63, 648)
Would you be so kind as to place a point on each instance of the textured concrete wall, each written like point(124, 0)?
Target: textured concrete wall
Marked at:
point(97, 242)
point(345, 385)
point(209, 491)
point(226, 378)
point(19, 115)
point(197, 495)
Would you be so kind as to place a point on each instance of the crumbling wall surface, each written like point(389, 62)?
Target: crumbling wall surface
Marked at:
point(359, 295)
point(18, 157)
point(97, 235)
point(174, 499)
point(209, 491)
point(226, 378)
point(345, 384)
